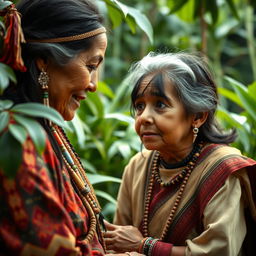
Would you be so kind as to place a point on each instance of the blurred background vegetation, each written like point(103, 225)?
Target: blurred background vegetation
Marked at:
point(224, 30)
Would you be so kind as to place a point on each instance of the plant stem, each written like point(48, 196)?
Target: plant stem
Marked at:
point(250, 37)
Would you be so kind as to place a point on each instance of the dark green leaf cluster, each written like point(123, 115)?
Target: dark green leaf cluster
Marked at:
point(16, 124)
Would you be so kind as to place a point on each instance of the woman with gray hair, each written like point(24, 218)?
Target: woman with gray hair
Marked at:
point(188, 192)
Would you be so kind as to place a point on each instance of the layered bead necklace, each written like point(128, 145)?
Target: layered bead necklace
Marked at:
point(181, 178)
point(81, 182)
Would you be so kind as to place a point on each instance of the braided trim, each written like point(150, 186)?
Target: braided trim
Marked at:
point(69, 38)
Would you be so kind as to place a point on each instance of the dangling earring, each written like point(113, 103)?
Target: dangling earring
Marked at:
point(43, 80)
point(195, 132)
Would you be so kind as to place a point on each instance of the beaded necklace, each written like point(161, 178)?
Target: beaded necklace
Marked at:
point(81, 182)
point(182, 174)
point(182, 163)
point(155, 176)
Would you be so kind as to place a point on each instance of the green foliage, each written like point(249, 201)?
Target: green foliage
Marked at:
point(7, 75)
point(118, 12)
point(103, 135)
point(16, 124)
point(245, 120)
point(4, 4)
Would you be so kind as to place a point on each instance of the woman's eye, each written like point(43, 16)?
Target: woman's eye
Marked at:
point(139, 107)
point(160, 104)
point(91, 68)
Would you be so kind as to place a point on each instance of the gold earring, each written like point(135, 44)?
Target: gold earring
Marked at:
point(43, 80)
point(195, 132)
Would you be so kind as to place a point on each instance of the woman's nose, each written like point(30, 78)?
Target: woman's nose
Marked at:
point(92, 87)
point(146, 116)
point(93, 82)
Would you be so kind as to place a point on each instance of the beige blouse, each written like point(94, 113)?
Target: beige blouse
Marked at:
point(223, 217)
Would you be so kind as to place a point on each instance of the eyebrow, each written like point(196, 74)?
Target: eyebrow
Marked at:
point(97, 58)
point(153, 93)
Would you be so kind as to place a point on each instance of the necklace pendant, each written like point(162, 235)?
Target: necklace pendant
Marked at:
point(86, 190)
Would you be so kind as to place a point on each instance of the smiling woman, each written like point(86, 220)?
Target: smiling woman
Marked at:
point(49, 207)
point(69, 83)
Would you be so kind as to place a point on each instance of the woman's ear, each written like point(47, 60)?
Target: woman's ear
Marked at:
point(41, 64)
point(199, 119)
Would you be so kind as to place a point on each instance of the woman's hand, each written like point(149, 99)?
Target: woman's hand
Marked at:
point(122, 238)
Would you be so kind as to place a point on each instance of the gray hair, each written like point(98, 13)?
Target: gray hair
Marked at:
point(193, 83)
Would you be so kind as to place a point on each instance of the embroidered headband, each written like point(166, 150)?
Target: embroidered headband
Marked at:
point(69, 38)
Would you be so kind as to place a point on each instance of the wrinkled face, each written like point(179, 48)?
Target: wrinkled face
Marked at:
point(69, 85)
point(160, 120)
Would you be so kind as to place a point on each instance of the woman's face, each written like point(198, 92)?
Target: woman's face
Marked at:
point(161, 121)
point(69, 84)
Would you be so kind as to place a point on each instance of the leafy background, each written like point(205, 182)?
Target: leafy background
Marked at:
point(102, 131)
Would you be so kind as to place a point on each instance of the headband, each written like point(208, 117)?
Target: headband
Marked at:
point(69, 38)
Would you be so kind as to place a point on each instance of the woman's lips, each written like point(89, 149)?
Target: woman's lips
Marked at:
point(148, 135)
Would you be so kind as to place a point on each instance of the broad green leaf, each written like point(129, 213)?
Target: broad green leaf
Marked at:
point(224, 29)
point(4, 4)
point(100, 147)
point(230, 95)
point(123, 90)
point(79, 131)
point(106, 196)
point(245, 139)
point(106, 90)
point(248, 102)
point(233, 8)
point(5, 104)
point(39, 110)
point(120, 117)
point(131, 23)
point(2, 27)
point(88, 166)
point(224, 115)
point(109, 209)
point(96, 178)
point(212, 7)
point(95, 104)
point(143, 22)
point(252, 89)
point(185, 13)
point(18, 132)
point(123, 7)
point(4, 120)
point(176, 5)
point(115, 16)
point(124, 149)
point(34, 129)
point(10, 154)
point(6, 75)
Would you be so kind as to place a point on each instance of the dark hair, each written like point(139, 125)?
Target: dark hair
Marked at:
point(193, 83)
point(43, 19)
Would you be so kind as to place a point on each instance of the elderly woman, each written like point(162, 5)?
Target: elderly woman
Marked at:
point(50, 208)
point(188, 192)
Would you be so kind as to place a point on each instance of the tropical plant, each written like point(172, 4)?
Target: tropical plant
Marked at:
point(244, 119)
